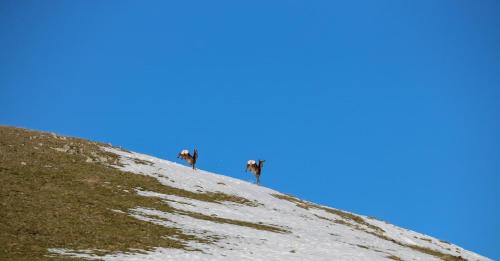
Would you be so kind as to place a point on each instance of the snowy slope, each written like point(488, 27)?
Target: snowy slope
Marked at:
point(307, 231)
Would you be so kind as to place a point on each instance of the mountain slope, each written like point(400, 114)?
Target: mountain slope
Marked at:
point(65, 197)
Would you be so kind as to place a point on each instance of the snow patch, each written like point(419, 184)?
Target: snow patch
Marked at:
point(315, 234)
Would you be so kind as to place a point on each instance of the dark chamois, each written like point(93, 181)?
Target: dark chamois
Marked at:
point(191, 160)
point(255, 168)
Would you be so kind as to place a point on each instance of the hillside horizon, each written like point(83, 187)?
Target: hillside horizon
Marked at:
point(66, 197)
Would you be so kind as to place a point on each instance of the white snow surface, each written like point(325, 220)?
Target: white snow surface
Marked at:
point(313, 233)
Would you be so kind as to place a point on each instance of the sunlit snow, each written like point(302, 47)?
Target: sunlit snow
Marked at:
point(313, 235)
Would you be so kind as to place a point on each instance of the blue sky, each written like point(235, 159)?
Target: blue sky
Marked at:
point(385, 108)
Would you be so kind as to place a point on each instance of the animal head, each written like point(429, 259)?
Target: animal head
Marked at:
point(184, 152)
point(261, 163)
point(251, 162)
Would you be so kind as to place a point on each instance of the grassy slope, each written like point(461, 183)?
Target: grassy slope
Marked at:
point(65, 199)
point(55, 199)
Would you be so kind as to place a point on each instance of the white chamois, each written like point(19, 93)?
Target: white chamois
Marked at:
point(191, 160)
point(255, 168)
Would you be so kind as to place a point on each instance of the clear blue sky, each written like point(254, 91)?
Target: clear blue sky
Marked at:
point(384, 108)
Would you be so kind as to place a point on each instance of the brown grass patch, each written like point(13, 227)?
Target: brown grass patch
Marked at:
point(61, 192)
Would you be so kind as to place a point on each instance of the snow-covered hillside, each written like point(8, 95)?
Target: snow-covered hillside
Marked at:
point(268, 225)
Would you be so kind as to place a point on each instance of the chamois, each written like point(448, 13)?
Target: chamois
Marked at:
point(255, 168)
point(191, 160)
